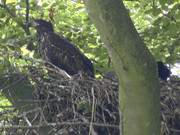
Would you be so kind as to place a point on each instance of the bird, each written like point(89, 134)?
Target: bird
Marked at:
point(60, 52)
point(163, 71)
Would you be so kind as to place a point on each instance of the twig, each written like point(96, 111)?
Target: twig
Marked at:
point(27, 18)
point(92, 113)
point(36, 101)
point(58, 124)
point(28, 122)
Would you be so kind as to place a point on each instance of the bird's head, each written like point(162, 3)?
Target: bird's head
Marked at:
point(160, 63)
point(42, 26)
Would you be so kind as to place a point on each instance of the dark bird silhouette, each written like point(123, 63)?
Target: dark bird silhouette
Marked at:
point(60, 52)
point(163, 71)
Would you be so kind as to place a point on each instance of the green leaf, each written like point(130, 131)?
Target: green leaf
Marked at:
point(163, 2)
point(156, 11)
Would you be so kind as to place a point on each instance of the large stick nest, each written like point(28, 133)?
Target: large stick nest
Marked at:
point(80, 106)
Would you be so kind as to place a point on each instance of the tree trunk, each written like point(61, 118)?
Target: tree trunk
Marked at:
point(135, 66)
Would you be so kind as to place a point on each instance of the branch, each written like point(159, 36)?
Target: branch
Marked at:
point(27, 18)
point(57, 124)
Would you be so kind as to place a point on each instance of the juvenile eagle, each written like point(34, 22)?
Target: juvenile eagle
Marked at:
point(60, 52)
point(163, 71)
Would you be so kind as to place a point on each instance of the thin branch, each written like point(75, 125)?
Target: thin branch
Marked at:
point(27, 17)
point(92, 113)
point(58, 124)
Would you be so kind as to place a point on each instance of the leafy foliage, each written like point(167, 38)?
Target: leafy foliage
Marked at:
point(69, 19)
point(158, 22)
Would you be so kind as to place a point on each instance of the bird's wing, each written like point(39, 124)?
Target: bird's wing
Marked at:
point(68, 55)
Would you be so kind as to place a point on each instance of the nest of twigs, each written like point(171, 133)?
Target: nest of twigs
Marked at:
point(80, 106)
point(77, 105)
point(170, 106)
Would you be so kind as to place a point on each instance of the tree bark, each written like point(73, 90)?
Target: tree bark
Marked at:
point(135, 66)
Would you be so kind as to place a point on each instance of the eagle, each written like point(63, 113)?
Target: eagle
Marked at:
point(60, 52)
point(163, 71)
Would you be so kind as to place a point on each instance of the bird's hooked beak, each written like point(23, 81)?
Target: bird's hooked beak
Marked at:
point(34, 23)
